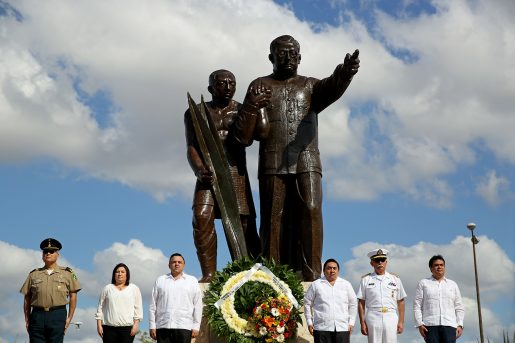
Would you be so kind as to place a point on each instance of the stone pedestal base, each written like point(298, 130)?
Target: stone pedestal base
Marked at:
point(207, 336)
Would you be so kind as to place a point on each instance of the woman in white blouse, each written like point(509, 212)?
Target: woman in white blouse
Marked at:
point(120, 308)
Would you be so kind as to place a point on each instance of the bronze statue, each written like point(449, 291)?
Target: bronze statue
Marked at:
point(222, 109)
point(290, 170)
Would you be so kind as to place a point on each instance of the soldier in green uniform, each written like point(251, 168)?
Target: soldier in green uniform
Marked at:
point(47, 290)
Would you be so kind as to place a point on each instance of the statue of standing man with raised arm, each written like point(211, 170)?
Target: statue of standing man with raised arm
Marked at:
point(290, 170)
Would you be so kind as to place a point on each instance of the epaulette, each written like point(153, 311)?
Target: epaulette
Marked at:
point(367, 274)
point(33, 270)
point(68, 269)
point(396, 275)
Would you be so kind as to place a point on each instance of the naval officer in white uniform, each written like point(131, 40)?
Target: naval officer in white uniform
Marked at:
point(381, 301)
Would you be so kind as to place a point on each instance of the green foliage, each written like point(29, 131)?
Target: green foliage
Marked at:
point(247, 296)
point(144, 337)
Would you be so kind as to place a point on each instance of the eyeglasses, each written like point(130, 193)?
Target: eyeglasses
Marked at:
point(48, 251)
point(382, 259)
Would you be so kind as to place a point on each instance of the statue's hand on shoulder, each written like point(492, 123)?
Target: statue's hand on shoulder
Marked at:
point(258, 96)
point(205, 176)
point(351, 63)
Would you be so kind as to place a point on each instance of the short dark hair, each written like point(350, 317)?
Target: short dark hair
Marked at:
point(176, 254)
point(434, 258)
point(127, 272)
point(284, 39)
point(214, 74)
point(329, 261)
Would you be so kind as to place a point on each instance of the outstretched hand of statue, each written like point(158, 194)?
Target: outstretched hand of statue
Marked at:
point(204, 175)
point(258, 96)
point(351, 63)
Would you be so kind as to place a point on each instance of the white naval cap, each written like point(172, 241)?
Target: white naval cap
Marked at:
point(378, 253)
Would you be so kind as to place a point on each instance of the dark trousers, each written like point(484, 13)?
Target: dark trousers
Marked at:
point(117, 334)
point(173, 336)
point(331, 336)
point(291, 221)
point(47, 327)
point(440, 334)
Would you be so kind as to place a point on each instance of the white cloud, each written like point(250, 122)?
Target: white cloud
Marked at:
point(494, 189)
point(87, 333)
point(424, 120)
point(144, 263)
point(433, 110)
point(458, 97)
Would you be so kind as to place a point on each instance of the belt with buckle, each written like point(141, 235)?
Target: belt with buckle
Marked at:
point(47, 309)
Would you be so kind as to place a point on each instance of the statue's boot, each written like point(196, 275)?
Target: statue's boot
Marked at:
point(208, 267)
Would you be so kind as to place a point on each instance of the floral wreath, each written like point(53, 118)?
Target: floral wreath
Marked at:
point(240, 288)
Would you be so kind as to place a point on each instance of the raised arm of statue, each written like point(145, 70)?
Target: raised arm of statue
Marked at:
point(330, 89)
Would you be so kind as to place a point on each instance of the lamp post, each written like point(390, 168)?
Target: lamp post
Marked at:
point(471, 227)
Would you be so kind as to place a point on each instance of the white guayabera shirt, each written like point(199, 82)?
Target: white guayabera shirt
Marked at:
point(438, 303)
point(176, 303)
point(330, 308)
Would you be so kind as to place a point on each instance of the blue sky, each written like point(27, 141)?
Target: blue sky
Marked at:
point(92, 147)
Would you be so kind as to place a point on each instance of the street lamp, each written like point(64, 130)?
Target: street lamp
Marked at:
point(471, 227)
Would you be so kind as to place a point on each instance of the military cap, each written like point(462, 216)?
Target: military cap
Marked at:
point(378, 253)
point(50, 244)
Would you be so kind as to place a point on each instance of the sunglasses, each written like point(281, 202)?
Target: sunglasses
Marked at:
point(48, 251)
point(382, 259)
